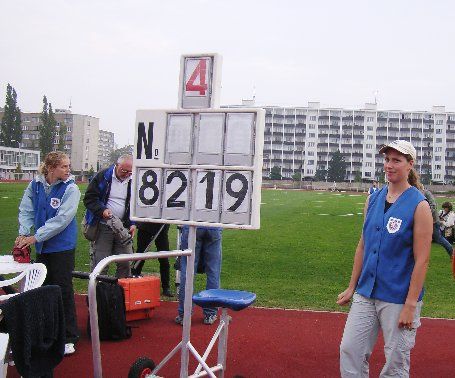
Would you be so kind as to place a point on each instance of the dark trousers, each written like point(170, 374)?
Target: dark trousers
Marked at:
point(60, 266)
point(144, 237)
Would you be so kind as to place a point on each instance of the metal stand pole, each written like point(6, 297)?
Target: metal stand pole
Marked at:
point(188, 306)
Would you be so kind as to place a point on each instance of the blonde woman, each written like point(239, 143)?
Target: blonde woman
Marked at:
point(49, 208)
point(390, 266)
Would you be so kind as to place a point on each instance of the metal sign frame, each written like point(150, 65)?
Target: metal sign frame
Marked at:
point(156, 158)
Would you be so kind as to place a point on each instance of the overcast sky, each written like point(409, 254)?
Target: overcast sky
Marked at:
point(113, 57)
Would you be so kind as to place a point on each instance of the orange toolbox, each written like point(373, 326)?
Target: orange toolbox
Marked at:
point(142, 295)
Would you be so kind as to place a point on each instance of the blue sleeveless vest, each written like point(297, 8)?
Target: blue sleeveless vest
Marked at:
point(388, 258)
point(45, 207)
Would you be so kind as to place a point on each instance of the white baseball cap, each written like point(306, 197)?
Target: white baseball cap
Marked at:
point(402, 146)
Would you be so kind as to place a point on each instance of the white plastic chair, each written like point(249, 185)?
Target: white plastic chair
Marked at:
point(29, 279)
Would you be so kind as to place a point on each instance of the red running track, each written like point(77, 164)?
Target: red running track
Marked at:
point(262, 343)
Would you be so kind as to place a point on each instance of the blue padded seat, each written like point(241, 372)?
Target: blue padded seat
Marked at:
point(233, 299)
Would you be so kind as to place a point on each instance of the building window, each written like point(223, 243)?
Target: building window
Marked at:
point(367, 174)
point(310, 144)
point(310, 162)
point(312, 118)
point(370, 119)
point(369, 146)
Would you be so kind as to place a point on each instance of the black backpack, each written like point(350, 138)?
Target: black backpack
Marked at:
point(110, 299)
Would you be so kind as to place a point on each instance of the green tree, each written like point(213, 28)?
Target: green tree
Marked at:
point(10, 128)
point(47, 128)
point(358, 176)
point(275, 173)
point(62, 136)
point(125, 150)
point(297, 176)
point(320, 175)
point(425, 177)
point(18, 172)
point(337, 167)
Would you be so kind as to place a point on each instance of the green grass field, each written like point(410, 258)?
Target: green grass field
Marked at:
point(299, 258)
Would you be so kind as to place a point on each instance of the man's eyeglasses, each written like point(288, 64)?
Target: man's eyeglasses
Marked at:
point(124, 171)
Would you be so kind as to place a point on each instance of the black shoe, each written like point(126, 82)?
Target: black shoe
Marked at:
point(167, 293)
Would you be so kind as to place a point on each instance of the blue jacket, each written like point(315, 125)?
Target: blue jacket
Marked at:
point(45, 207)
point(97, 195)
point(388, 259)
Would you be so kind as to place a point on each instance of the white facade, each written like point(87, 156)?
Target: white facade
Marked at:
point(11, 159)
point(105, 148)
point(85, 135)
point(303, 139)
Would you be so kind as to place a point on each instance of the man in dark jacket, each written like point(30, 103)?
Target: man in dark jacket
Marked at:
point(109, 194)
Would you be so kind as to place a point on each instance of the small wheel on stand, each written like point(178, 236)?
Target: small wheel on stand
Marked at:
point(141, 368)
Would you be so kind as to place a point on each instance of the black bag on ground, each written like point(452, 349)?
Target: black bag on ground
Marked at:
point(110, 299)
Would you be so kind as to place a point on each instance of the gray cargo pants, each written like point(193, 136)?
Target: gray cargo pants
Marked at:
point(365, 319)
point(108, 244)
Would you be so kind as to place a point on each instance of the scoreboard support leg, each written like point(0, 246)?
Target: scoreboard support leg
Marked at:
point(188, 305)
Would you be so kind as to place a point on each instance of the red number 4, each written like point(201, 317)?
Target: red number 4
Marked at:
point(199, 71)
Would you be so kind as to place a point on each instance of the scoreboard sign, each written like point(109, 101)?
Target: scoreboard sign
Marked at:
point(198, 167)
point(200, 81)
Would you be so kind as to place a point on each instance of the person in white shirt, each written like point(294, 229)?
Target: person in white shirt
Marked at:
point(109, 194)
point(447, 221)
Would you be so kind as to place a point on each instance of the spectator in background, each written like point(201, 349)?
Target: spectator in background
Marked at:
point(49, 206)
point(109, 194)
point(373, 188)
point(437, 234)
point(447, 221)
point(146, 233)
point(208, 247)
point(396, 233)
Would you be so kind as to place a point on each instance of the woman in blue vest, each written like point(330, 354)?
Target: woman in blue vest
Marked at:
point(389, 270)
point(49, 208)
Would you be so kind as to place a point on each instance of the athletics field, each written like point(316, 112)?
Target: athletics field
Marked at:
point(300, 258)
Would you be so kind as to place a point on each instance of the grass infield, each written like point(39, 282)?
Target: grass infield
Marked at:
point(300, 258)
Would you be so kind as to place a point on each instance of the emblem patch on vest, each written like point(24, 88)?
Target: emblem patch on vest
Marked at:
point(55, 203)
point(393, 225)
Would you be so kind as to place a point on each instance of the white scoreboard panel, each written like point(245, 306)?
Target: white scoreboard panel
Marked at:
point(200, 81)
point(198, 167)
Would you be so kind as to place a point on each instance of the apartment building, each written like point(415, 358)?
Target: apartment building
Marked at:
point(303, 139)
point(105, 148)
point(81, 138)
